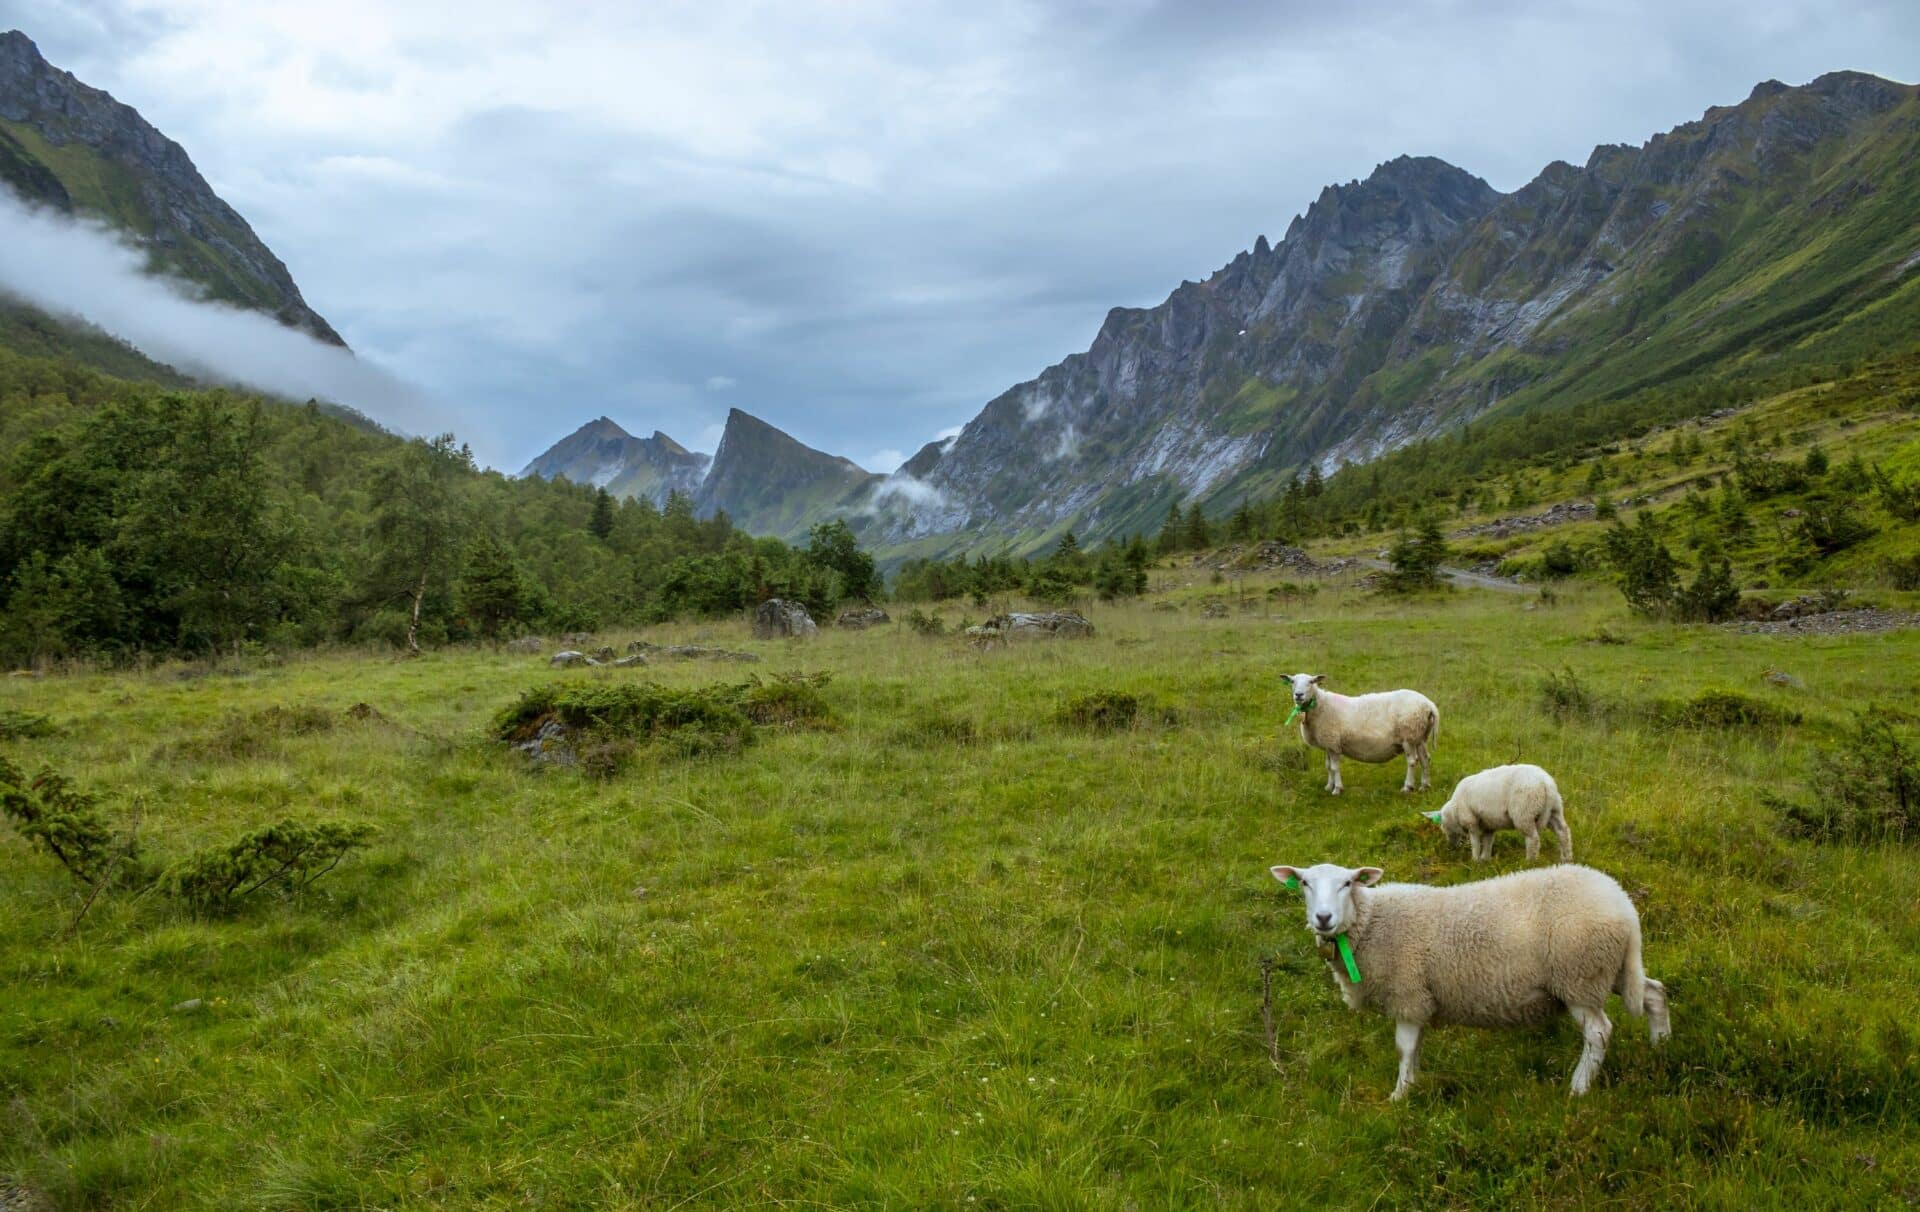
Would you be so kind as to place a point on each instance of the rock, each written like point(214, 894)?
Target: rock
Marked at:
point(778, 619)
point(568, 658)
point(189, 1006)
point(862, 618)
point(527, 644)
point(547, 745)
point(687, 652)
point(603, 654)
point(1053, 624)
point(1778, 678)
point(1214, 610)
point(627, 662)
point(576, 639)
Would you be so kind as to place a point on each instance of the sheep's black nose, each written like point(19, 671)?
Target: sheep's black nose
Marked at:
point(1325, 918)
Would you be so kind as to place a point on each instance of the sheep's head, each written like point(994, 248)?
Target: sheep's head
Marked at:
point(1455, 831)
point(1328, 891)
point(1304, 684)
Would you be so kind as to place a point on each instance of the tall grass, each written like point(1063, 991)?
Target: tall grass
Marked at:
point(963, 950)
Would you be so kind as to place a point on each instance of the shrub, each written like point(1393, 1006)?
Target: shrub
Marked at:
point(1723, 709)
point(23, 725)
point(49, 810)
point(1416, 558)
point(1643, 565)
point(788, 701)
point(283, 857)
point(1712, 598)
point(1101, 710)
point(1832, 525)
point(1902, 572)
point(1864, 789)
point(1565, 696)
point(1559, 560)
point(926, 624)
point(252, 734)
point(605, 724)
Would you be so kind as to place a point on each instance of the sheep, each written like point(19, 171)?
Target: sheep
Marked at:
point(1506, 952)
point(1367, 727)
point(1519, 797)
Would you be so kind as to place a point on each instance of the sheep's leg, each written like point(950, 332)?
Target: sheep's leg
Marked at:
point(1426, 767)
point(1334, 785)
point(1659, 1025)
point(1477, 842)
point(1597, 1029)
point(1406, 1036)
point(1566, 838)
point(1413, 759)
point(1533, 843)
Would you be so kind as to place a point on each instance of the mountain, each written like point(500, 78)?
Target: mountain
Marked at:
point(74, 149)
point(1404, 305)
point(769, 483)
point(606, 456)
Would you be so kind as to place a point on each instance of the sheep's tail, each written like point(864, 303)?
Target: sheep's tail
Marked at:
point(1633, 977)
point(1433, 727)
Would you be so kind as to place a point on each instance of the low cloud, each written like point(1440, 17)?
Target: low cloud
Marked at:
point(79, 268)
point(884, 461)
point(718, 382)
point(907, 491)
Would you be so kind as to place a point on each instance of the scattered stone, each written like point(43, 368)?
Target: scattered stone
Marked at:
point(365, 713)
point(778, 619)
point(1214, 610)
point(549, 744)
point(1779, 678)
point(627, 662)
point(108, 1022)
point(1835, 622)
point(189, 1006)
point(1053, 624)
point(16, 1198)
point(1825, 602)
point(1792, 513)
point(687, 652)
point(569, 658)
point(603, 654)
point(863, 618)
point(527, 645)
point(1269, 556)
point(576, 639)
point(1558, 515)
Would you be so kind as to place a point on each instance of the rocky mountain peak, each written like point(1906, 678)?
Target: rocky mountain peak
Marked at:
point(135, 178)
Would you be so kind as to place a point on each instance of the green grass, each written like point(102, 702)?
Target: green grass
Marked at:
point(955, 949)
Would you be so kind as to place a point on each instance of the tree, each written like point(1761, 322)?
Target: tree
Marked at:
point(1171, 537)
point(493, 594)
point(1315, 485)
point(1642, 565)
point(418, 521)
point(1713, 597)
point(1240, 525)
point(1194, 532)
point(832, 545)
point(1816, 463)
point(602, 522)
point(1417, 557)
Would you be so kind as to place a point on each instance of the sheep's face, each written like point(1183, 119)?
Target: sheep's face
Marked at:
point(1455, 831)
point(1304, 687)
point(1329, 891)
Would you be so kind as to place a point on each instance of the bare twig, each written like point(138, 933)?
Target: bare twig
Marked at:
point(108, 870)
point(1266, 1009)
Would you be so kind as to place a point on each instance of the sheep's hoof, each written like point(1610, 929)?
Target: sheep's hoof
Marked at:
point(1399, 1095)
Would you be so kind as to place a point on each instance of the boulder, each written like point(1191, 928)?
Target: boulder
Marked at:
point(1214, 610)
point(627, 662)
point(563, 660)
point(862, 618)
point(778, 619)
point(1050, 625)
point(687, 652)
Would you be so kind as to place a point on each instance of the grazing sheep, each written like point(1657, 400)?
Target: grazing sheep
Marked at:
point(1367, 727)
point(1506, 952)
point(1519, 797)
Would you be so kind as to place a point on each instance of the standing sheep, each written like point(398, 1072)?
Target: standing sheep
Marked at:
point(1519, 797)
point(1367, 727)
point(1506, 952)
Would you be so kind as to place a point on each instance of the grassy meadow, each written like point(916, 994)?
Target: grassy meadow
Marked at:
point(950, 950)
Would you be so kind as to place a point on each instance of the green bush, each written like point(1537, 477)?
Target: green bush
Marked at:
point(24, 725)
point(607, 723)
point(1713, 597)
point(1565, 696)
point(1864, 789)
point(1723, 709)
point(284, 857)
point(1101, 710)
point(49, 810)
point(926, 624)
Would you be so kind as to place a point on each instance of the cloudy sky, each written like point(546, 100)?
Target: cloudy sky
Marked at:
point(858, 221)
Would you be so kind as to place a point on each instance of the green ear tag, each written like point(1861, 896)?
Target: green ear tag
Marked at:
point(1293, 881)
point(1346, 953)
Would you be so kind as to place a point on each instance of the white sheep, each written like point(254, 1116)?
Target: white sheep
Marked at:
point(1367, 727)
point(1519, 797)
point(1506, 952)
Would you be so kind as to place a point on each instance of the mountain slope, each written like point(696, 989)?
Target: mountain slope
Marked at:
point(74, 149)
point(771, 484)
point(1401, 306)
point(606, 456)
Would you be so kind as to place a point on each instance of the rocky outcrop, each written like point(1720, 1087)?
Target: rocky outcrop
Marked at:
point(777, 619)
point(862, 617)
point(77, 150)
point(687, 652)
point(1050, 625)
point(602, 454)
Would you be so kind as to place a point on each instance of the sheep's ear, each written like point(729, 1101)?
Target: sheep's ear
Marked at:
point(1319, 679)
point(1368, 876)
point(1286, 875)
point(1433, 816)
